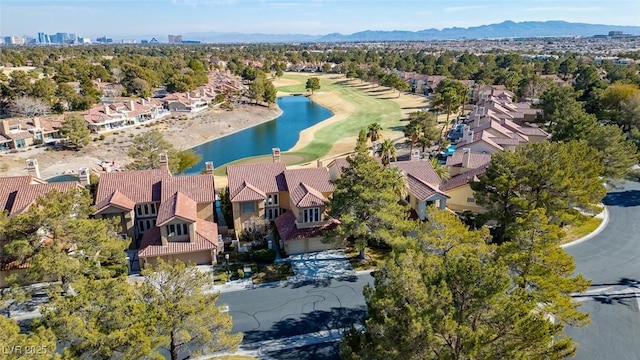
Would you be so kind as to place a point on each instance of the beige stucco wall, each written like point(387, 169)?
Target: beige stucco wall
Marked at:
point(204, 257)
point(458, 199)
point(239, 218)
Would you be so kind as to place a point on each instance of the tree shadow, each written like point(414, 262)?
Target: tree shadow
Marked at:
point(315, 321)
point(626, 198)
point(324, 351)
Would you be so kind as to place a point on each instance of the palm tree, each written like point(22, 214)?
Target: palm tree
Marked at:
point(401, 186)
point(414, 133)
point(373, 131)
point(441, 170)
point(386, 151)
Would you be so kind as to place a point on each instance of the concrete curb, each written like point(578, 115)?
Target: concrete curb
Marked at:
point(603, 224)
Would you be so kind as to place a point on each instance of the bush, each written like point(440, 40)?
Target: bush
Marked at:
point(264, 256)
point(101, 137)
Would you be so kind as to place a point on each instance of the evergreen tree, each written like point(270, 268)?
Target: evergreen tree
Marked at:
point(365, 201)
point(184, 317)
point(75, 131)
point(448, 297)
point(146, 148)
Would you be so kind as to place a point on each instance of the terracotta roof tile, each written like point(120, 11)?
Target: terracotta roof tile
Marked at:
point(307, 185)
point(27, 195)
point(475, 159)
point(206, 239)
point(249, 193)
point(179, 205)
point(286, 225)
point(141, 186)
point(200, 188)
point(267, 178)
point(463, 179)
point(122, 201)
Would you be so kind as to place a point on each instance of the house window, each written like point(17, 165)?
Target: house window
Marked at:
point(272, 200)
point(20, 143)
point(148, 209)
point(144, 225)
point(177, 229)
point(271, 213)
point(311, 215)
point(248, 207)
point(471, 200)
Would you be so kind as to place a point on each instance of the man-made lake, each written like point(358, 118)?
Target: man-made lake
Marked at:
point(298, 113)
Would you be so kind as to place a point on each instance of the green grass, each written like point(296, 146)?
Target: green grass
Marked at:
point(261, 273)
point(273, 272)
point(374, 258)
point(575, 232)
point(368, 109)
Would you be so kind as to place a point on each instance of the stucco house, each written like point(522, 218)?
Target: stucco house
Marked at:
point(464, 167)
point(294, 199)
point(19, 133)
point(422, 180)
point(168, 217)
point(17, 194)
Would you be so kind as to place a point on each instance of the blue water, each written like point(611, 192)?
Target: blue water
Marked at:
point(298, 113)
point(61, 178)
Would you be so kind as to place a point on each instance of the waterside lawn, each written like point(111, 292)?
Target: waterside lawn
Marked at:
point(373, 105)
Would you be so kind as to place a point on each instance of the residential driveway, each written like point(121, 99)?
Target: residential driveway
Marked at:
point(321, 265)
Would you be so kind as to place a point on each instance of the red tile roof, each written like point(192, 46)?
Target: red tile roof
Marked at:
point(307, 185)
point(475, 159)
point(267, 178)
point(200, 188)
point(420, 169)
point(140, 186)
point(27, 195)
point(8, 187)
point(206, 239)
point(179, 205)
point(286, 225)
point(463, 179)
point(249, 193)
point(120, 200)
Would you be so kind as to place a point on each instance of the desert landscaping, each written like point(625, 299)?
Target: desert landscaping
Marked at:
point(355, 104)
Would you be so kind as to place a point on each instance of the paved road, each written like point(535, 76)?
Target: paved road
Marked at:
point(612, 261)
point(285, 311)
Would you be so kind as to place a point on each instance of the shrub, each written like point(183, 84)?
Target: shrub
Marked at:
point(264, 256)
point(101, 137)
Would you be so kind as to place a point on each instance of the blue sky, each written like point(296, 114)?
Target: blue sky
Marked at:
point(127, 17)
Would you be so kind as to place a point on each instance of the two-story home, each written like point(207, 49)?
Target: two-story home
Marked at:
point(422, 181)
point(17, 194)
point(19, 133)
point(169, 217)
point(118, 115)
point(294, 199)
point(464, 167)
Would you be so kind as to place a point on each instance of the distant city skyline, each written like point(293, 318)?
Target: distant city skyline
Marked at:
point(122, 18)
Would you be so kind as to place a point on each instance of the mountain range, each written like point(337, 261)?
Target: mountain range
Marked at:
point(506, 29)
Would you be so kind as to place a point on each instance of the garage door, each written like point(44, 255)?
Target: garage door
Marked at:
point(318, 245)
point(293, 247)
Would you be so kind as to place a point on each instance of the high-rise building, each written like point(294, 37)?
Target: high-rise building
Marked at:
point(175, 39)
point(43, 38)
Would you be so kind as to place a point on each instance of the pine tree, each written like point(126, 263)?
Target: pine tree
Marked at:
point(185, 318)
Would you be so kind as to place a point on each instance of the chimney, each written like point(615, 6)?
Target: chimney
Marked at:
point(208, 167)
point(319, 163)
point(466, 155)
point(132, 105)
point(415, 154)
point(164, 161)
point(36, 123)
point(275, 153)
point(5, 127)
point(188, 95)
point(83, 174)
point(203, 92)
point(107, 111)
point(33, 169)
